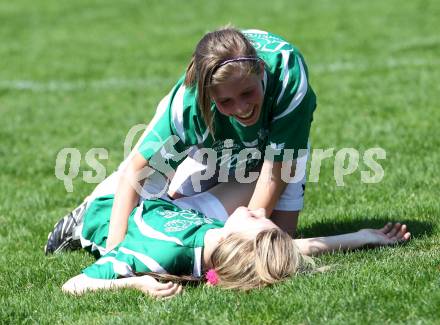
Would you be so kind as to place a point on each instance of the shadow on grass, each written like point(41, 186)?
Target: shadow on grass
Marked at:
point(327, 228)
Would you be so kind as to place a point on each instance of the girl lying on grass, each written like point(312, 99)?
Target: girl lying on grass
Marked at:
point(168, 237)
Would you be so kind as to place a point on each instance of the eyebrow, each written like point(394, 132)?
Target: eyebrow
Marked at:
point(220, 99)
point(248, 89)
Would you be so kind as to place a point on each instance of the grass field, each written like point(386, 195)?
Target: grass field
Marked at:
point(81, 74)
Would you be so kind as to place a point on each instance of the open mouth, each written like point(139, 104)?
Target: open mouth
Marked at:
point(246, 116)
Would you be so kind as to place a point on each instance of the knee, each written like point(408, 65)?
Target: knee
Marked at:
point(175, 195)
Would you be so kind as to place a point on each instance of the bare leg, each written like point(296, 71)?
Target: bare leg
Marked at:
point(175, 195)
point(233, 194)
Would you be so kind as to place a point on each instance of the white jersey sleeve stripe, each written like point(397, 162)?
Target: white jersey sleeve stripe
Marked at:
point(160, 110)
point(264, 81)
point(177, 113)
point(147, 231)
point(197, 269)
point(205, 135)
point(254, 31)
point(119, 267)
point(285, 73)
point(300, 93)
point(146, 260)
point(202, 138)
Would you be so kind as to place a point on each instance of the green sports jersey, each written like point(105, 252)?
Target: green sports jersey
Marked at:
point(161, 237)
point(284, 122)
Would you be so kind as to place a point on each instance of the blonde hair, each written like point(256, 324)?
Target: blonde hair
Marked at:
point(204, 70)
point(248, 263)
point(244, 263)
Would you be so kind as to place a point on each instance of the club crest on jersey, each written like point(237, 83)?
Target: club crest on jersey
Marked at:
point(186, 219)
point(277, 146)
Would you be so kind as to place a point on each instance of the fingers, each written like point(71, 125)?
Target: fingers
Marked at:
point(169, 290)
point(394, 230)
point(386, 228)
point(402, 234)
point(162, 290)
point(163, 285)
point(150, 286)
point(402, 231)
point(396, 233)
point(173, 292)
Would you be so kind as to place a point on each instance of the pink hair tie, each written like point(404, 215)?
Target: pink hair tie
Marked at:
point(211, 277)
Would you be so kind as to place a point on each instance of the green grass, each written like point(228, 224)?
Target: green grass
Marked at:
point(80, 74)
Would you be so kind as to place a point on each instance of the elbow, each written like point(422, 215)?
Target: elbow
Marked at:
point(136, 170)
point(73, 286)
point(68, 287)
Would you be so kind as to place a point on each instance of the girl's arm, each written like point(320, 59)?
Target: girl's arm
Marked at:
point(126, 198)
point(269, 187)
point(387, 235)
point(81, 284)
point(262, 193)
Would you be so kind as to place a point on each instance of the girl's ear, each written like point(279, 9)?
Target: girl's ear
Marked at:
point(223, 236)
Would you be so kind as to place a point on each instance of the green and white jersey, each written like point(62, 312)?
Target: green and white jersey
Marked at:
point(161, 237)
point(284, 122)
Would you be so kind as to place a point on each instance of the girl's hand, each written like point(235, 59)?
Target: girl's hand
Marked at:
point(150, 286)
point(388, 235)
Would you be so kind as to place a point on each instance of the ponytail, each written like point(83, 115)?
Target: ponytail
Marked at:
point(190, 75)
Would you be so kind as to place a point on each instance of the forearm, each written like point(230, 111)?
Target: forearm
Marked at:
point(319, 245)
point(126, 198)
point(81, 283)
point(269, 187)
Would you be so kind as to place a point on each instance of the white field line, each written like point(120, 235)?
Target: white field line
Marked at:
point(363, 66)
point(417, 42)
point(142, 83)
point(75, 85)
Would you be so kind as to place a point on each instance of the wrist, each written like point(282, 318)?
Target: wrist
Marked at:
point(363, 237)
point(132, 282)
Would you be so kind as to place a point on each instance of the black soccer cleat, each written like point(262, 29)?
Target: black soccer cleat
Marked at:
point(61, 237)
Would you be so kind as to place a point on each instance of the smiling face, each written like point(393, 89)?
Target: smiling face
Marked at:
point(248, 221)
point(240, 97)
